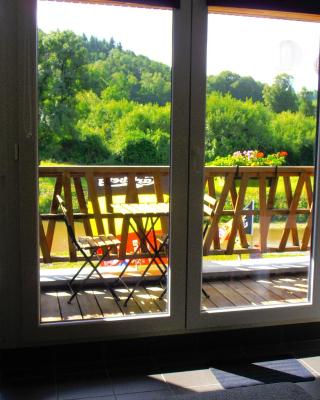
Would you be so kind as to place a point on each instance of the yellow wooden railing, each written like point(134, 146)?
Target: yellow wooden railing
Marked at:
point(90, 190)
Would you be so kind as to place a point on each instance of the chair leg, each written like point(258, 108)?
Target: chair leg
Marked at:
point(88, 260)
point(205, 293)
point(163, 293)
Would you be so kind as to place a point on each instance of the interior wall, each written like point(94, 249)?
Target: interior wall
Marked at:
point(9, 241)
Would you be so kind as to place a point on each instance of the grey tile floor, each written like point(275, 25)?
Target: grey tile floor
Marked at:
point(104, 372)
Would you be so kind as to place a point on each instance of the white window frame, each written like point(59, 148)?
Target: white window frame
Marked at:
point(240, 317)
point(19, 275)
point(27, 287)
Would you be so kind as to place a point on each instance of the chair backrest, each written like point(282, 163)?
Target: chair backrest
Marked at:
point(66, 221)
point(209, 204)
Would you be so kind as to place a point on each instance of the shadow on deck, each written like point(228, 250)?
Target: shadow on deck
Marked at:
point(254, 288)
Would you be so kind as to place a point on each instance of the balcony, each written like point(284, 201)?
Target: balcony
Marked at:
point(268, 265)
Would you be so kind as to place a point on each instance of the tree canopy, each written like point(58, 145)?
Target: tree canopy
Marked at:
point(280, 96)
point(101, 104)
point(239, 87)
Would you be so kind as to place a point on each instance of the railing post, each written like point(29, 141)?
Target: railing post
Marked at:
point(43, 243)
point(160, 199)
point(54, 209)
point(82, 204)
point(108, 202)
point(212, 241)
point(93, 197)
point(66, 181)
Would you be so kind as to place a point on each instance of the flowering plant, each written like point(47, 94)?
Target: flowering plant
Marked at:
point(251, 158)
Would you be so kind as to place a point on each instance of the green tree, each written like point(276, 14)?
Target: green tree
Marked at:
point(99, 49)
point(247, 88)
point(62, 57)
point(150, 121)
point(240, 87)
point(87, 87)
point(88, 150)
point(295, 133)
point(307, 102)
point(280, 96)
point(148, 81)
point(136, 149)
point(99, 115)
point(222, 82)
point(234, 125)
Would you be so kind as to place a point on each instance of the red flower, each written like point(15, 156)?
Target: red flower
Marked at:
point(260, 154)
point(283, 153)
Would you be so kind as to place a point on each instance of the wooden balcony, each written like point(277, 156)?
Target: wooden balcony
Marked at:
point(283, 199)
point(88, 192)
point(227, 293)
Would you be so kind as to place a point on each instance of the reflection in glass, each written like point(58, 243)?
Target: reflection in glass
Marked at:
point(104, 114)
point(259, 173)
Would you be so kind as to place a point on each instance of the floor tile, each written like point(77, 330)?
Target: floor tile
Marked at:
point(82, 367)
point(226, 354)
point(75, 356)
point(35, 390)
point(108, 397)
point(262, 352)
point(177, 362)
point(26, 358)
point(123, 349)
point(186, 379)
point(158, 395)
point(138, 383)
point(312, 387)
point(76, 386)
point(17, 376)
point(127, 366)
point(305, 349)
point(197, 389)
point(312, 363)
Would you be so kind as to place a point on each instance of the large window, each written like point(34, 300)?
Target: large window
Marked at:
point(188, 197)
point(104, 148)
point(261, 109)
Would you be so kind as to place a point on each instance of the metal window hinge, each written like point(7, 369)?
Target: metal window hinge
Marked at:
point(16, 152)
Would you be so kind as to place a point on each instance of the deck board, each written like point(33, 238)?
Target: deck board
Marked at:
point(291, 285)
point(267, 295)
point(69, 312)
point(107, 304)
point(232, 295)
point(207, 302)
point(50, 309)
point(251, 296)
point(285, 294)
point(88, 305)
point(146, 301)
point(155, 291)
point(132, 306)
point(99, 303)
point(218, 299)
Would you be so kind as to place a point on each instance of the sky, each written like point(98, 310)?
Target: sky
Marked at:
point(257, 47)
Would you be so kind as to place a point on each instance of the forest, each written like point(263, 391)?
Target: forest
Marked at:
point(101, 104)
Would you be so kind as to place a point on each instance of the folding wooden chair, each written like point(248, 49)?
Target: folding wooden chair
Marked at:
point(89, 246)
point(208, 212)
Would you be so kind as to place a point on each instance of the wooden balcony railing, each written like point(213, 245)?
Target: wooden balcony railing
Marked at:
point(89, 191)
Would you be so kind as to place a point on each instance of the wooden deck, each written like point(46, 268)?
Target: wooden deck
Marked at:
point(95, 304)
point(99, 303)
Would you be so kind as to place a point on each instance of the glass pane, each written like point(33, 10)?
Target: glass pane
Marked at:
point(259, 174)
point(104, 115)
